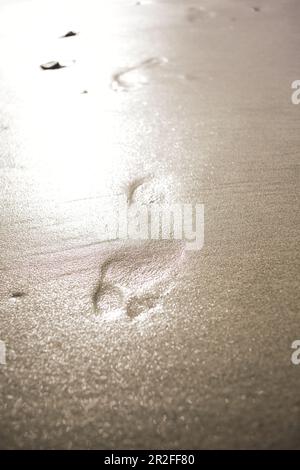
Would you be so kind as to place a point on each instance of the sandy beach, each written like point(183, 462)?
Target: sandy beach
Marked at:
point(143, 344)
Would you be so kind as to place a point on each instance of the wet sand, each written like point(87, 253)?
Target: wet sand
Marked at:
point(145, 344)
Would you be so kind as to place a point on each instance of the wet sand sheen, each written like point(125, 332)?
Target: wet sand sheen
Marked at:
point(145, 345)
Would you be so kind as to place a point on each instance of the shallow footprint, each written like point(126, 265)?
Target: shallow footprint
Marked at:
point(131, 77)
point(138, 277)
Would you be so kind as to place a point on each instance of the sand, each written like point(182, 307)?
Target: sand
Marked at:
point(126, 344)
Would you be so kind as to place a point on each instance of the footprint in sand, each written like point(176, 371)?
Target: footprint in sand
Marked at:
point(134, 76)
point(135, 279)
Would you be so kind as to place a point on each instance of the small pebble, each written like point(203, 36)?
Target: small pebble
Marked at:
point(52, 66)
point(17, 295)
point(69, 34)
